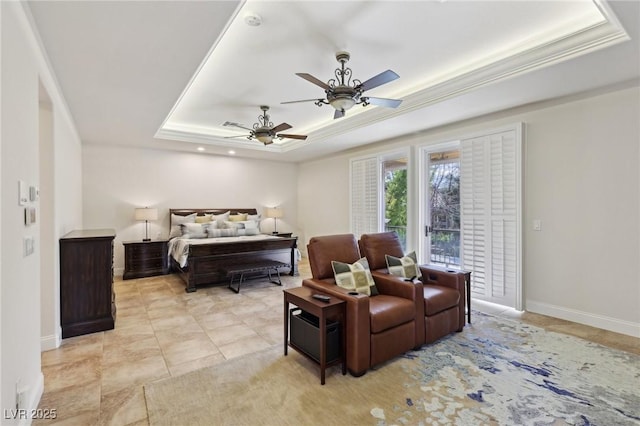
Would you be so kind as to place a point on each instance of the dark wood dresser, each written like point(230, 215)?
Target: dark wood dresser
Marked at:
point(145, 258)
point(87, 301)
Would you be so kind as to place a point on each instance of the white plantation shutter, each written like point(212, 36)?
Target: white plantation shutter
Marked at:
point(491, 216)
point(364, 196)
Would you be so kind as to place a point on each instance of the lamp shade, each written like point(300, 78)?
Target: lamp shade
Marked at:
point(146, 214)
point(274, 212)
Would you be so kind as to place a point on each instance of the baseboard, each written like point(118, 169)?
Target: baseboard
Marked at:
point(600, 321)
point(50, 342)
point(26, 414)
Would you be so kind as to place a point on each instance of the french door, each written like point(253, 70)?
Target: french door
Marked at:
point(442, 209)
point(471, 212)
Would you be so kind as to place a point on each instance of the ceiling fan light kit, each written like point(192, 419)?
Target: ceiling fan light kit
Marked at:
point(343, 92)
point(263, 130)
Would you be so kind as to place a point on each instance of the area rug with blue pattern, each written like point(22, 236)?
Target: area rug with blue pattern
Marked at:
point(495, 372)
point(508, 372)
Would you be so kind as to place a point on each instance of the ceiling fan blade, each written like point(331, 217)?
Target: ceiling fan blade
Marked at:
point(379, 80)
point(232, 124)
point(280, 127)
point(304, 100)
point(312, 79)
point(389, 103)
point(282, 135)
point(239, 136)
point(338, 114)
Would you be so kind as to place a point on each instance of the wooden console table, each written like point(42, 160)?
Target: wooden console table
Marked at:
point(302, 298)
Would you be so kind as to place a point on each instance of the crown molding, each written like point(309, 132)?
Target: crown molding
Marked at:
point(605, 33)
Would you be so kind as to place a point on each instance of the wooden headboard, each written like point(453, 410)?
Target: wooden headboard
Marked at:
point(201, 212)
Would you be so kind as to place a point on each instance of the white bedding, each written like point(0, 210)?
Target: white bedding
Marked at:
point(179, 247)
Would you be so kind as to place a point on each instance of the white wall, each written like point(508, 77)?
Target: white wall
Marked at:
point(23, 68)
point(323, 198)
point(582, 180)
point(118, 179)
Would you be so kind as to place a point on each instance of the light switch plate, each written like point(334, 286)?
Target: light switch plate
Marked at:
point(23, 193)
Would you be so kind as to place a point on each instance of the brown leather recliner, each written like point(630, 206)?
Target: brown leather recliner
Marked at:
point(378, 328)
point(443, 291)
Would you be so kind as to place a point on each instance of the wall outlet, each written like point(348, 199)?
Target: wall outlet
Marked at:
point(537, 225)
point(28, 243)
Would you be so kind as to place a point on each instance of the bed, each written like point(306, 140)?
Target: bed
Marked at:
point(206, 261)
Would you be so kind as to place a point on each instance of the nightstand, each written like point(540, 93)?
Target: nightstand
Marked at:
point(283, 234)
point(145, 259)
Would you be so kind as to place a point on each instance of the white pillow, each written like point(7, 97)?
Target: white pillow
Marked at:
point(251, 224)
point(231, 225)
point(221, 217)
point(194, 230)
point(248, 231)
point(177, 220)
point(214, 233)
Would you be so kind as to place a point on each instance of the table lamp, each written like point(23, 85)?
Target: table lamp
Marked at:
point(275, 213)
point(146, 214)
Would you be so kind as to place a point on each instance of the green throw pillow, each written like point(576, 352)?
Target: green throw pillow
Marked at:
point(355, 277)
point(406, 267)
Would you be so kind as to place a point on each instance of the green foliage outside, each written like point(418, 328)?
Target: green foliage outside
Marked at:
point(396, 197)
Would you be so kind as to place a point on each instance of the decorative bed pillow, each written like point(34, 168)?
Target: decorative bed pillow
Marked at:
point(177, 220)
point(204, 218)
point(251, 224)
point(406, 267)
point(221, 217)
point(248, 231)
point(230, 225)
point(355, 277)
point(253, 217)
point(228, 232)
point(238, 217)
point(194, 230)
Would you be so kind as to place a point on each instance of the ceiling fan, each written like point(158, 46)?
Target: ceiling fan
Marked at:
point(263, 130)
point(343, 92)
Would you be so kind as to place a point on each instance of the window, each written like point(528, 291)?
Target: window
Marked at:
point(394, 176)
point(379, 194)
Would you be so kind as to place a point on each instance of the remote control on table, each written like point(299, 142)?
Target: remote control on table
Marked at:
point(321, 297)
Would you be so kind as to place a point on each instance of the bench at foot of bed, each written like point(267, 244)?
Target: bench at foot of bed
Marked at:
point(265, 266)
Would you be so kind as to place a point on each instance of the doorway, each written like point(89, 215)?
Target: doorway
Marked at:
point(442, 212)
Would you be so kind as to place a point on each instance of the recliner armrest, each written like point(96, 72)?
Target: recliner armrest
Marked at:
point(454, 280)
point(397, 286)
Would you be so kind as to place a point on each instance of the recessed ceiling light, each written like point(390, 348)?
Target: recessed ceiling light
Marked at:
point(200, 149)
point(252, 19)
point(232, 152)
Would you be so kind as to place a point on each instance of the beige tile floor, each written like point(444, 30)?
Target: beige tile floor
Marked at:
point(161, 331)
